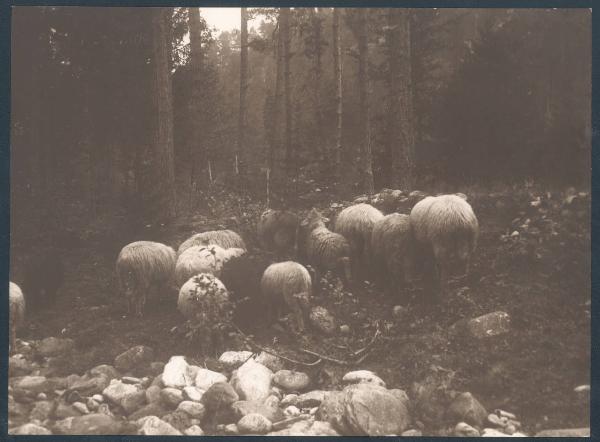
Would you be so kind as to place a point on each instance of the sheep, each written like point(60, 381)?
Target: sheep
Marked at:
point(277, 231)
point(203, 259)
point(322, 248)
point(287, 284)
point(356, 224)
point(16, 313)
point(204, 301)
point(223, 238)
point(44, 274)
point(142, 267)
point(392, 249)
point(446, 230)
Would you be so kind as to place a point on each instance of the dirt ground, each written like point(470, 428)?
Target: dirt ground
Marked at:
point(540, 277)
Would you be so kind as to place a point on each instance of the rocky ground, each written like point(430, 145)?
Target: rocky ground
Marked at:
point(507, 353)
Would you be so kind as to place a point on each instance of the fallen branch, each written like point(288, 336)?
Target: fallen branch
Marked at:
point(370, 344)
point(325, 358)
point(250, 341)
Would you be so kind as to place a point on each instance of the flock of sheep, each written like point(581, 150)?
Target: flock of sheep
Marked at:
point(438, 236)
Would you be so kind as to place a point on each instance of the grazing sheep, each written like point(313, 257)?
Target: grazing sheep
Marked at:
point(287, 284)
point(204, 301)
point(16, 313)
point(277, 231)
point(142, 267)
point(322, 248)
point(446, 230)
point(241, 275)
point(44, 275)
point(391, 250)
point(223, 238)
point(356, 224)
point(203, 259)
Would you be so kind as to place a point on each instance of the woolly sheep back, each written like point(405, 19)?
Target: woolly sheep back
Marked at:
point(200, 295)
point(391, 247)
point(277, 230)
point(143, 266)
point(223, 238)
point(199, 259)
point(356, 223)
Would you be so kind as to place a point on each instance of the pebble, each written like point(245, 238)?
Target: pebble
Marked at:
point(194, 430)
point(292, 410)
point(289, 399)
point(463, 429)
point(81, 407)
point(92, 404)
point(41, 397)
point(345, 329)
point(363, 377)
point(254, 423)
point(98, 398)
point(497, 421)
point(130, 380)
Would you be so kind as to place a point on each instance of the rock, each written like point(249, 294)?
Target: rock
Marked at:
point(271, 411)
point(491, 432)
point(310, 399)
point(463, 429)
point(171, 396)
point(322, 320)
point(177, 373)
point(134, 357)
point(107, 370)
point(363, 377)
point(152, 394)
point(154, 426)
point(133, 402)
point(193, 409)
point(194, 430)
point(42, 410)
point(117, 391)
point(332, 409)
point(94, 424)
point(412, 433)
point(105, 409)
point(35, 384)
point(63, 411)
point(55, 346)
point(289, 399)
point(467, 409)
point(402, 396)
point(220, 395)
point(156, 368)
point(179, 420)
point(193, 393)
point(234, 359)
point(18, 365)
point(291, 411)
point(270, 361)
point(307, 428)
point(41, 397)
point(252, 381)
point(81, 407)
point(344, 329)
point(497, 421)
point(276, 392)
point(131, 380)
point(491, 324)
point(153, 409)
point(92, 404)
point(505, 414)
point(565, 432)
point(254, 423)
point(371, 410)
point(29, 428)
point(89, 385)
point(206, 378)
point(231, 429)
point(291, 380)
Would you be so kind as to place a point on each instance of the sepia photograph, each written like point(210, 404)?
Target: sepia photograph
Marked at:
point(299, 221)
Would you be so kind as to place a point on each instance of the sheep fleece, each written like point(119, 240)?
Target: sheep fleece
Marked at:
point(222, 238)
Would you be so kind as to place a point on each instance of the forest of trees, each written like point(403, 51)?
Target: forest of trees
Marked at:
point(140, 112)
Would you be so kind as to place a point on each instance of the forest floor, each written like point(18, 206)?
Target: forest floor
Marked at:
point(540, 277)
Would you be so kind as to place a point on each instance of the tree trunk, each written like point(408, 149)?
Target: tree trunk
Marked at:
point(337, 75)
point(163, 167)
point(197, 148)
point(401, 134)
point(240, 151)
point(287, 91)
point(364, 93)
point(320, 147)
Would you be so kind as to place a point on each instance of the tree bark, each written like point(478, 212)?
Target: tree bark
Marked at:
point(163, 167)
point(320, 147)
point(287, 91)
point(364, 93)
point(240, 151)
point(337, 75)
point(401, 134)
point(197, 148)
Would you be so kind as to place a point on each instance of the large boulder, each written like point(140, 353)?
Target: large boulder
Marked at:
point(291, 380)
point(177, 373)
point(134, 357)
point(370, 410)
point(252, 381)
